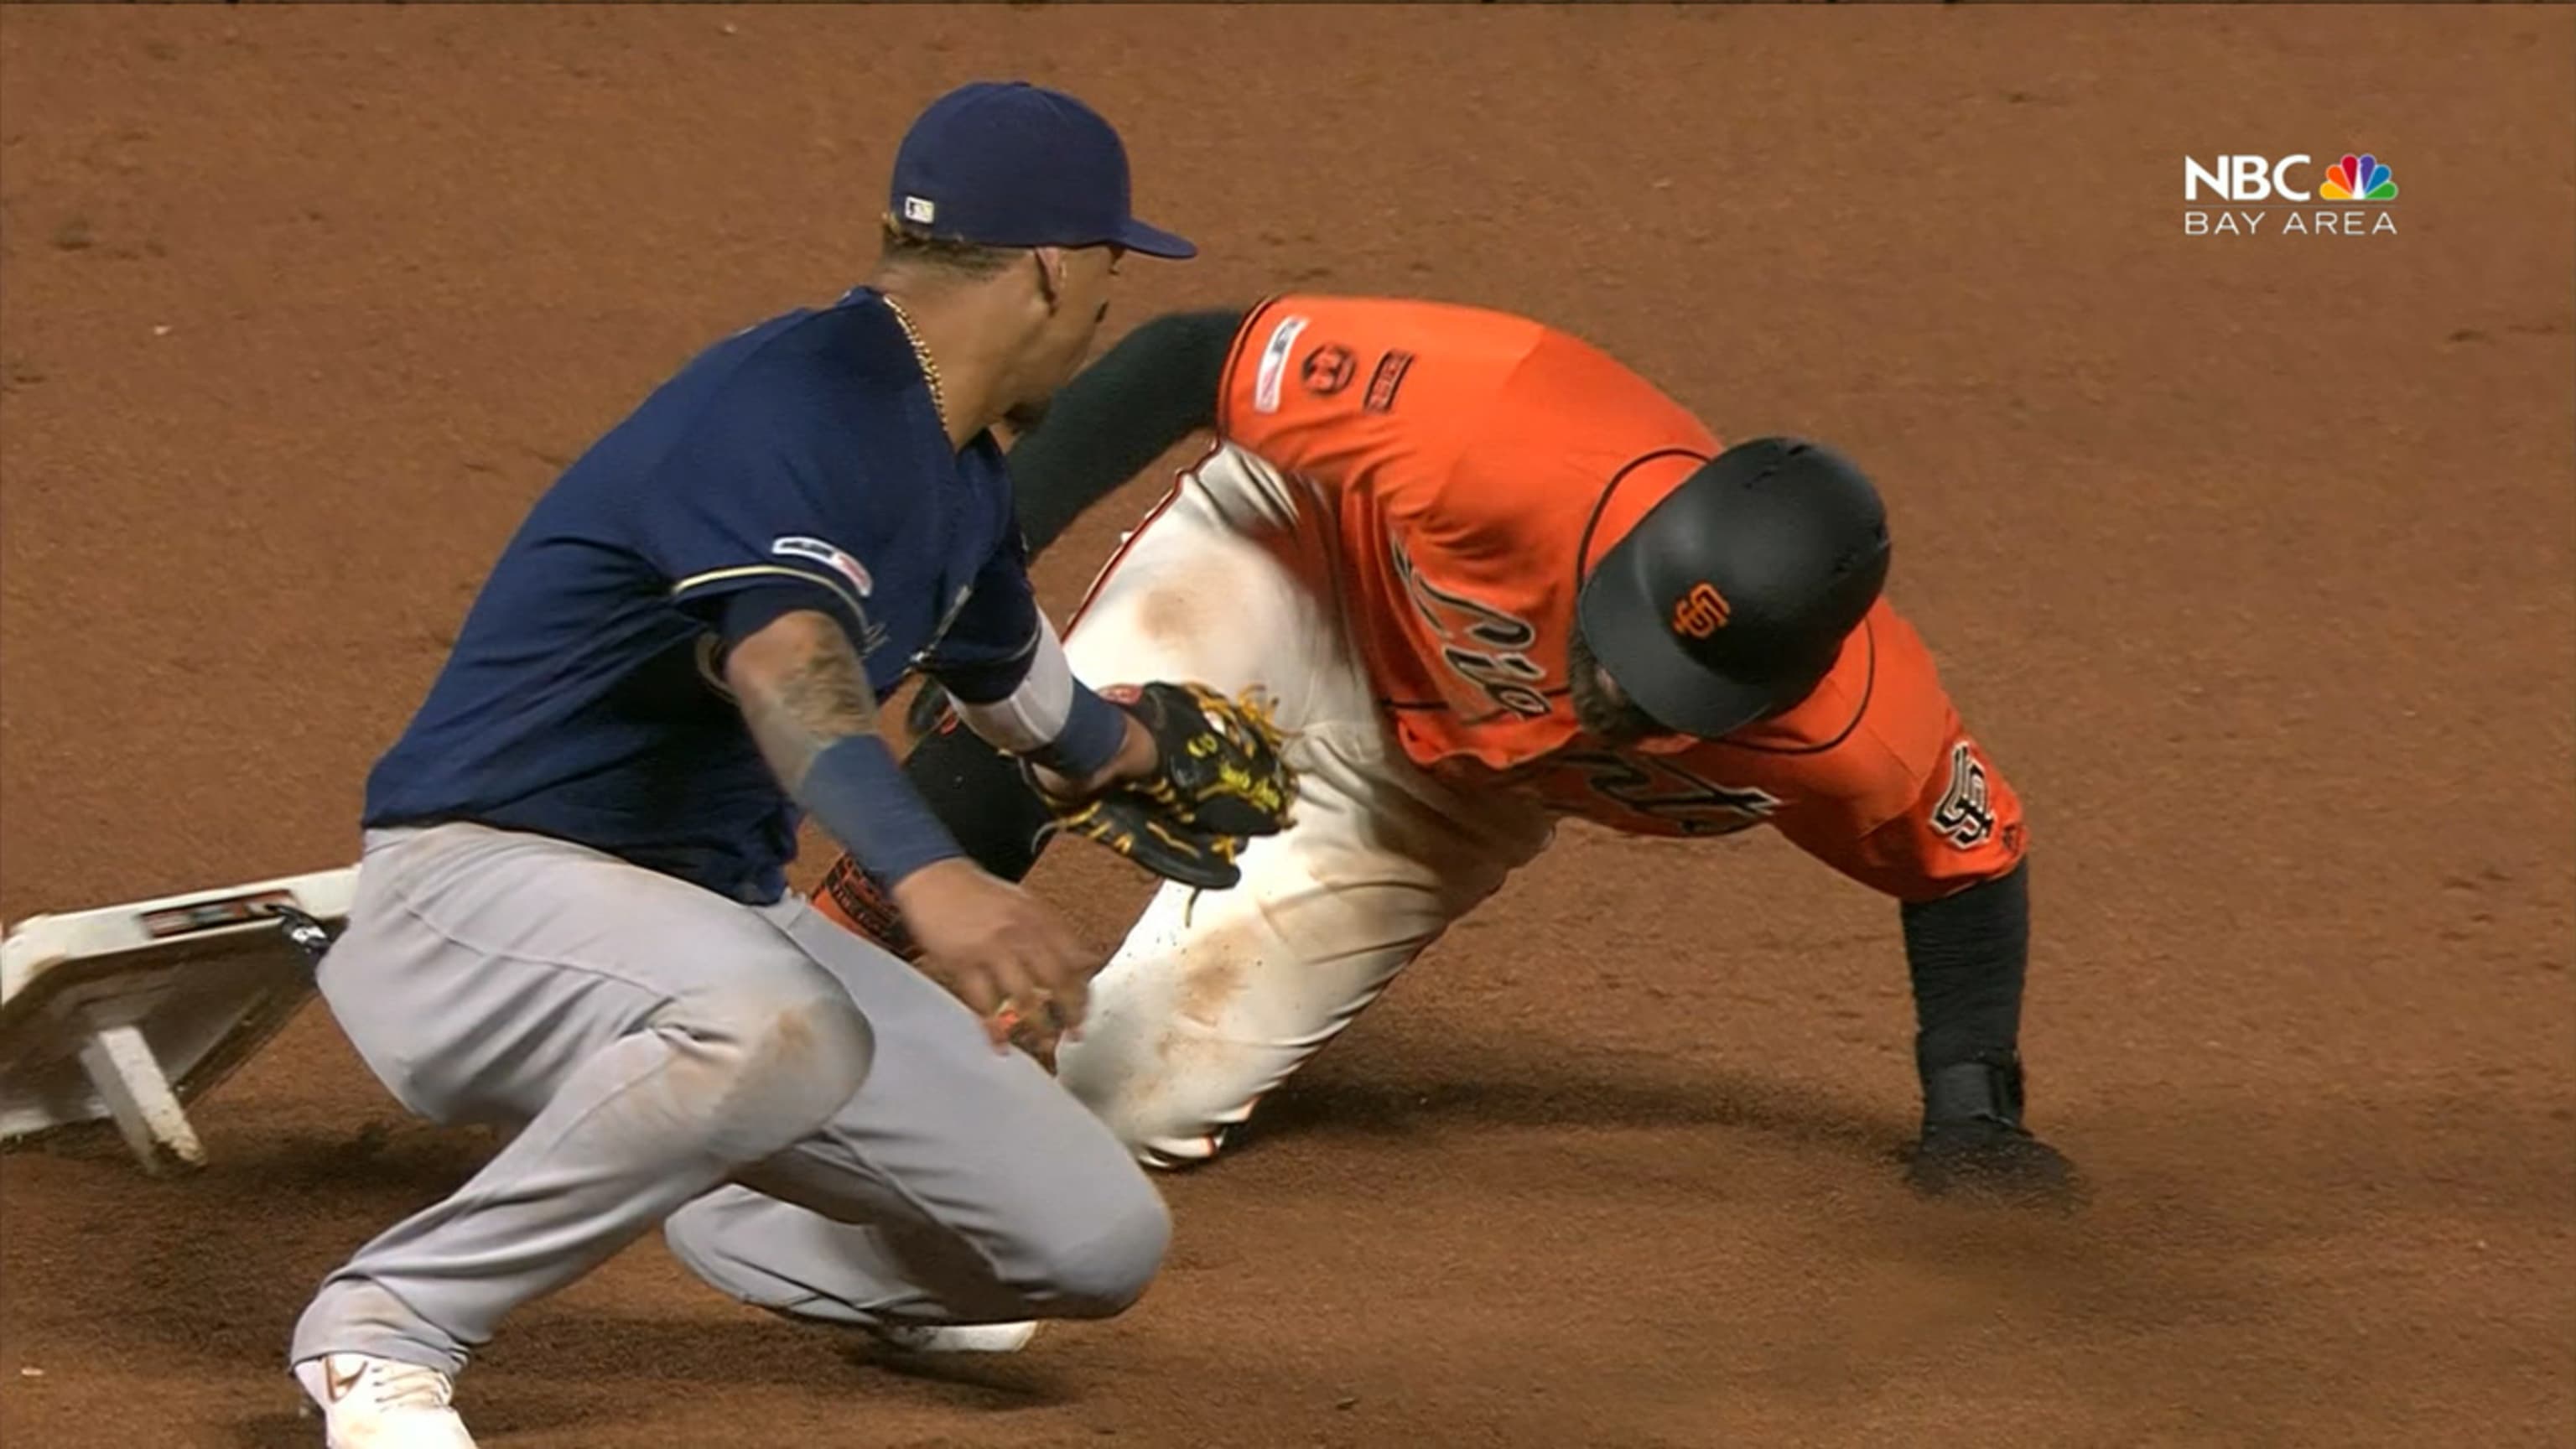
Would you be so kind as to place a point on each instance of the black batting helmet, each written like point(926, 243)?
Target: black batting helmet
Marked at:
point(1730, 599)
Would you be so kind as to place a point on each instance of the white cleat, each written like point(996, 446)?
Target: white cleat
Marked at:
point(956, 1337)
point(377, 1403)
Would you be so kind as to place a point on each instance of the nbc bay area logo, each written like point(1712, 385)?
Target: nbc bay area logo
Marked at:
point(2264, 195)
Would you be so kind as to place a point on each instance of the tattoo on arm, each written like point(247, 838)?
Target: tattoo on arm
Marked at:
point(802, 690)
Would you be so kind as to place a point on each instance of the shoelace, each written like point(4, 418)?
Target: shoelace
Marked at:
point(411, 1386)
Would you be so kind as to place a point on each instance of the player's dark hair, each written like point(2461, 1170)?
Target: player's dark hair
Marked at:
point(903, 245)
point(1616, 719)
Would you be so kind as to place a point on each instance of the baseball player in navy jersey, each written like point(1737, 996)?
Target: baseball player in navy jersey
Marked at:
point(572, 917)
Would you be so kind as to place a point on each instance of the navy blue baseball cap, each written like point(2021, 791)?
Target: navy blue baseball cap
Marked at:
point(1009, 164)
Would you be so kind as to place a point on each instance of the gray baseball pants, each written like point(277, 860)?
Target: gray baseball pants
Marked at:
point(817, 1127)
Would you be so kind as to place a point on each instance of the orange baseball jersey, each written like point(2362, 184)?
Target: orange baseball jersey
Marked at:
point(1473, 463)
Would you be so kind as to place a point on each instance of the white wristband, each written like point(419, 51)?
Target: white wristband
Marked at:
point(1034, 714)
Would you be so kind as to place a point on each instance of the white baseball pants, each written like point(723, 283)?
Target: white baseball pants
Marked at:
point(1215, 998)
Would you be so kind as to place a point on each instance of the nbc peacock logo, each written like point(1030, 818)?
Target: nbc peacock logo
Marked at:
point(2270, 194)
point(2358, 178)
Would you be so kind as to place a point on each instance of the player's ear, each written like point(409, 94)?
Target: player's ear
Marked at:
point(1050, 275)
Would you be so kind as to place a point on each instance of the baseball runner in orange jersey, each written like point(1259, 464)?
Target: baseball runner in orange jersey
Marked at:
point(1489, 578)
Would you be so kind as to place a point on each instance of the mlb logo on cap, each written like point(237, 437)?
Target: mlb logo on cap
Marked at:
point(920, 209)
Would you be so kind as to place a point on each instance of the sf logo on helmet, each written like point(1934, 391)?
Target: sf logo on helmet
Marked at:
point(1701, 612)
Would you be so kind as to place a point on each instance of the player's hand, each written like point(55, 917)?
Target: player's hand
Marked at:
point(1015, 963)
point(1201, 775)
point(1982, 1158)
point(1974, 1144)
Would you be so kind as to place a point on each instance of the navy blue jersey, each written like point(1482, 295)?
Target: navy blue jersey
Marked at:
point(798, 463)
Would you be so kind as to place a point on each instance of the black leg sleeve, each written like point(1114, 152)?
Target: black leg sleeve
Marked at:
point(980, 795)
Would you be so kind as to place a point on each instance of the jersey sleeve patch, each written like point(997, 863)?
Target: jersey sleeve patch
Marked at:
point(1963, 815)
point(798, 545)
point(807, 560)
point(1387, 380)
point(1328, 369)
point(1272, 372)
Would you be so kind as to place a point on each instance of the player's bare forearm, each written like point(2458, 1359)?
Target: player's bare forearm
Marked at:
point(806, 698)
point(802, 690)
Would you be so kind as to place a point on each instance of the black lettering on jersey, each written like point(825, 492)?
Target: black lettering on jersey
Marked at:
point(1963, 817)
point(1491, 626)
point(1667, 792)
point(1508, 677)
point(1384, 382)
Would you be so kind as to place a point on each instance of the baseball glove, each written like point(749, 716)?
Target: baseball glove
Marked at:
point(1221, 780)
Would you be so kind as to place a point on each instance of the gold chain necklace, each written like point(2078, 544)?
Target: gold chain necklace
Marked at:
point(921, 354)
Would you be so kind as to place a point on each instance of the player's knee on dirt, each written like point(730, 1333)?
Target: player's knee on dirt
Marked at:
point(980, 795)
point(761, 1067)
point(1079, 1237)
point(1097, 1264)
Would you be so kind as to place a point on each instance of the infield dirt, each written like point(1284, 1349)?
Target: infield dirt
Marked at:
point(2249, 559)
